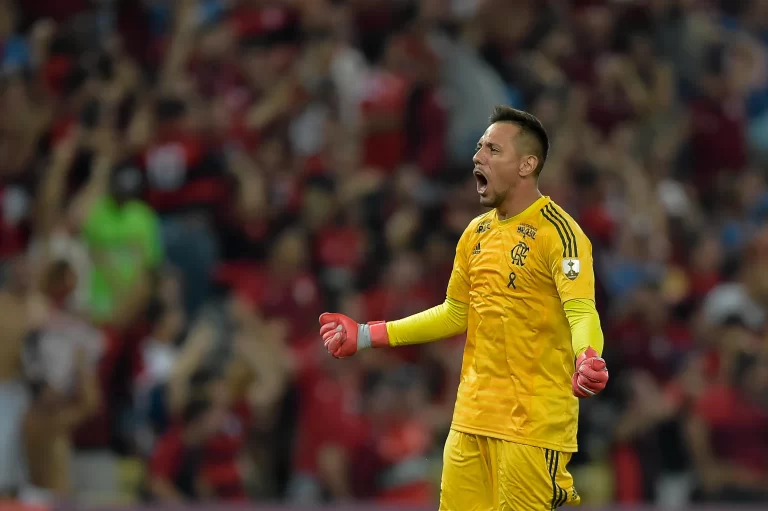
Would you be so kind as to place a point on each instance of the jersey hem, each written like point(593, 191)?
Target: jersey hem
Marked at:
point(514, 439)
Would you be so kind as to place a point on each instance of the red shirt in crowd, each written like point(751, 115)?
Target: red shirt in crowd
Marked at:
point(252, 21)
point(404, 478)
point(13, 233)
point(295, 299)
point(607, 113)
point(179, 176)
point(597, 222)
point(654, 352)
point(176, 462)
point(429, 148)
point(738, 429)
point(96, 432)
point(718, 139)
point(215, 462)
point(329, 413)
point(341, 248)
point(220, 467)
point(387, 95)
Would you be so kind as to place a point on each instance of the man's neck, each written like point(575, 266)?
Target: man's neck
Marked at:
point(517, 202)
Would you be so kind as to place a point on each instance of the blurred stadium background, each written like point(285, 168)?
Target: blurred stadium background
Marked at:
point(186, 184)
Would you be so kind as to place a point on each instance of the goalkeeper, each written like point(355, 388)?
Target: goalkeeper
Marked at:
point(522, 287)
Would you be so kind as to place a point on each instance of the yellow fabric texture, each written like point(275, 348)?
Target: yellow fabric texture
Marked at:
point(516, 274)
point(585, 325)
point(446, 320)
point(523, 289)
point(481, 473)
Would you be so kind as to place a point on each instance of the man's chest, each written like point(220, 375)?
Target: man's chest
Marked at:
point(510, 260)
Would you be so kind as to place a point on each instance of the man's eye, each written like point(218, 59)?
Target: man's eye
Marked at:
point(494, 150)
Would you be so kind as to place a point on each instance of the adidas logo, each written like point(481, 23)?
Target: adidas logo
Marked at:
point(477, 249)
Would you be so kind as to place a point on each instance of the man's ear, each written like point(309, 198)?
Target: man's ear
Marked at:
point(528, 165)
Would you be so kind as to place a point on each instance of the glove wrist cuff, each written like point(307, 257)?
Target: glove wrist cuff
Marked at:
point(372, 335)
point(379, 335)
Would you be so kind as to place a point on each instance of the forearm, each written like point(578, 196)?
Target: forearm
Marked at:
point(585, 326)
point(446, 320)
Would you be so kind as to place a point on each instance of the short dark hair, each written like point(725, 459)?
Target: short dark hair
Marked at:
point(529, 125)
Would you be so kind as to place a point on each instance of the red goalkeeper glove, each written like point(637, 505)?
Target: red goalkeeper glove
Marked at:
point(591, 374)
point(343, 336)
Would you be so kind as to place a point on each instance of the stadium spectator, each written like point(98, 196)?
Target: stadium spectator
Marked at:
point(176, 472)
point(59, 364)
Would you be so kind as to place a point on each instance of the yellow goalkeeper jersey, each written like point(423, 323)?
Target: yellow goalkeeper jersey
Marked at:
point(515, 274)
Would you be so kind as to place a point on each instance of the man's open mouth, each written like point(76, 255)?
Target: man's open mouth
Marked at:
point(482, 182)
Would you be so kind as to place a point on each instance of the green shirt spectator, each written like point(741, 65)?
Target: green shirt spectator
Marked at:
point(124, 239)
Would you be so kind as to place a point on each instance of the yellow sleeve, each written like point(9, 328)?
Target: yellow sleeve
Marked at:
point(446, 320)
point(585, 325)
point(570, 261)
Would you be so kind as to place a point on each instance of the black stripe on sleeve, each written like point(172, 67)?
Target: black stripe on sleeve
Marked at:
point(563, 226)
point(568, 227)
point(557, 227)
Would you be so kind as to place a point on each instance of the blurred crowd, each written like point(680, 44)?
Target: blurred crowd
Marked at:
point(186, 184)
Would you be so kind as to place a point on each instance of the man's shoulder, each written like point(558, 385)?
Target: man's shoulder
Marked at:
point(474, 231)
point(479, 224)
point(555, 216)
point(560, 227)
